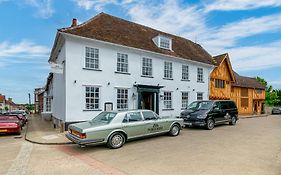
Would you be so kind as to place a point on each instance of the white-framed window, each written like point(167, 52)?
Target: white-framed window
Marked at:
point(48, 104)
point(167, 100)
point(92, 97)
point(122, 98)
point(122, 63)
point(199, 74)
point(184, 99)
point(168, 70)
point(185, 72)
point(199, 96)
point(165, 43)
point(91, 58)
point(147, 67)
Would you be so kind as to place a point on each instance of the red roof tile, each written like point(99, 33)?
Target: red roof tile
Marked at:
point(111, 29)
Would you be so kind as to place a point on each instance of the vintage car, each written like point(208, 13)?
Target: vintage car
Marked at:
point(116, 127)
point(10, 124)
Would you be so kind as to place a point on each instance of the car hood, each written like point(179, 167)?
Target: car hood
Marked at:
point(85, 125)
point(193, 113)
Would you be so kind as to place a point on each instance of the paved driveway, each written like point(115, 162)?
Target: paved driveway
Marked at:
point(253, 146)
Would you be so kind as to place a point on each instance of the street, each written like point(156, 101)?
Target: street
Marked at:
point(253, 146)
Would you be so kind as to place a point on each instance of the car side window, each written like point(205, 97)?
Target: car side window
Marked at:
point(217, 106)
point(148, 115)
point(224, 105)
point(132, 117)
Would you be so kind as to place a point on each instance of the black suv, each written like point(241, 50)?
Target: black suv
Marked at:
point(209, 113)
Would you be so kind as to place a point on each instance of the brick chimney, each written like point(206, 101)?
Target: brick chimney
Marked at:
point(10, 99)
point(74, 22)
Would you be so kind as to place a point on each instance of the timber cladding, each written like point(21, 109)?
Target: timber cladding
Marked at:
point(246, 92)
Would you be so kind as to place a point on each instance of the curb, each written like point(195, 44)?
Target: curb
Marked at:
point(254, 116)
point(43, 143)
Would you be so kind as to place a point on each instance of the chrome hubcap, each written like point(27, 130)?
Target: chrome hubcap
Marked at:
point(211, 124)
point(175, 130)
point(117, 140)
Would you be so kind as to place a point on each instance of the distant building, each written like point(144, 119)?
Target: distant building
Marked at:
point(38, 100)
point(11, 105)
point(108, 63)
point(2, 103)
point(225, 84)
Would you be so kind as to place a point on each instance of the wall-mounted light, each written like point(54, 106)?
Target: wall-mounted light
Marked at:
point(75, 81)
point(177, 88)
point(193, 89)
point(108, 83)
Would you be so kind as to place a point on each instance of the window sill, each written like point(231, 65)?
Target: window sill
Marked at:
point(184, 80)
point(200, 82)
point(167, 109)
point(168, 79)
point(92, 69)
point(146, 76)
point(85, 110)
point(126, 73)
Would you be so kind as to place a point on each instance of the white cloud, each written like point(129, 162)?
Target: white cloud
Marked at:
point(24, 48)
point(257, 57)
point(227, 36)
point(44, 7)
point(228, 5)
point(174, 18)
point(99, 5)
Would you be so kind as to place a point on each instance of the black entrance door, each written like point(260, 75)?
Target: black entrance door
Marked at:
point(148, 97)
point(147, 101)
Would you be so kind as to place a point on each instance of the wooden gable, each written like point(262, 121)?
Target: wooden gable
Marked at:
point(224, 70)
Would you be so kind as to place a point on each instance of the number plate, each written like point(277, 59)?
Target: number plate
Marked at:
point(3, 130)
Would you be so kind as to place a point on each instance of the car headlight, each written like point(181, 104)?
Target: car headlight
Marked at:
point(202, 116)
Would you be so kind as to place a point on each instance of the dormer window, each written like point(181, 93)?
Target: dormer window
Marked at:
point(163, 42)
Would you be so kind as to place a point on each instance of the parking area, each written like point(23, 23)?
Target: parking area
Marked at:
point(253, 146)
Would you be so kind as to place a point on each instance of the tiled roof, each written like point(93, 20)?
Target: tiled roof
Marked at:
point(247, 82)
point(111, 29)
point(219, 58)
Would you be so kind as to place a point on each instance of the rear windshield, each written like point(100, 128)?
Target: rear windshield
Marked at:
point(104, 117)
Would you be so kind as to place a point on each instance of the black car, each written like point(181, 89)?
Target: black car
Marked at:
point(209, 113)
point(276, 111)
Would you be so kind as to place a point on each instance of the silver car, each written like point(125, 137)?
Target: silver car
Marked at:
point(116, 127)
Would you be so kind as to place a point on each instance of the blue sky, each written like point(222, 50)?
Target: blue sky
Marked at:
point(250, 31)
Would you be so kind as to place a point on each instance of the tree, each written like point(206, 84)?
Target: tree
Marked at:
point(272, 96)
point(6, 108)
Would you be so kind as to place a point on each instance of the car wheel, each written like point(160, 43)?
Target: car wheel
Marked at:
point(175, 130)
point(210, 124)
point(116, 140)
point(233, 120)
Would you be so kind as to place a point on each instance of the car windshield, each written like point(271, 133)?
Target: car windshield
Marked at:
point(104, 117)
point(200, 105)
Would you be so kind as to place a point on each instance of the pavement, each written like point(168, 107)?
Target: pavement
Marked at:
point(251, 147)
point(40, 131)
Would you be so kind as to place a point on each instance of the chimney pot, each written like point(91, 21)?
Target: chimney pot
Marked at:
point(74, 22)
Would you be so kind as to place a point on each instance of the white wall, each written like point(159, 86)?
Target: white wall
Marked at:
point(77, 78)
point(59, 102)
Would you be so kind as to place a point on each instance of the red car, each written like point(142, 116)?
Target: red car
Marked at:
point(10, 124)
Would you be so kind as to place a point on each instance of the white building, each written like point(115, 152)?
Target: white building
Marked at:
point(109, 63)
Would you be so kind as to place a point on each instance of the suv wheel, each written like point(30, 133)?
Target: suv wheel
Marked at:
point(116, 140)
point(175, 130)
point(233, 120)
point(210, 124)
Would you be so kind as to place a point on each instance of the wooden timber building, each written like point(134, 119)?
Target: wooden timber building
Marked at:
point(225, 84)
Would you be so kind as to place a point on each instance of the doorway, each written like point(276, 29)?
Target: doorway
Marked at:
point(147, 100)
